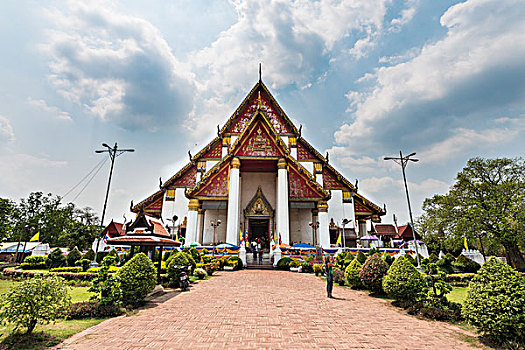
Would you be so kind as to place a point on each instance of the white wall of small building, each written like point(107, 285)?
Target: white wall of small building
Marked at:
point(220, 232)
point(300, 230)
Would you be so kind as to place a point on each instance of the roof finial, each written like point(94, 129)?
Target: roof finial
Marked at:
point(260, 72)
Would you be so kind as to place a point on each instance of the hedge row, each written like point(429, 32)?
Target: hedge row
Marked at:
point(10, 272)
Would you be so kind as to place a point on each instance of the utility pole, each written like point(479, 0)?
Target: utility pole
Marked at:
point(403, 161)
point(113, 153)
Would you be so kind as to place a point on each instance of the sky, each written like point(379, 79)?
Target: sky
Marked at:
point(365, 78)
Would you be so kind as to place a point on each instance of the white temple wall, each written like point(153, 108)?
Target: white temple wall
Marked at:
point(178, 207)
point(210, 164)
point(300, 230)
point(249, 184)
point(335, 208)
point(220, 232)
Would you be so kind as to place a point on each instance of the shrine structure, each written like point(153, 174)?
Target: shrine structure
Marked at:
point(263, 180)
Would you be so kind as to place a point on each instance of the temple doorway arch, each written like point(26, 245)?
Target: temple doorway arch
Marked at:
point(259, 220)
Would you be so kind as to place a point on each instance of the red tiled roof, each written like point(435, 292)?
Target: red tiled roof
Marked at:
point(405, 232)
point(385, 229)
point(158, 229)
point(143, 240)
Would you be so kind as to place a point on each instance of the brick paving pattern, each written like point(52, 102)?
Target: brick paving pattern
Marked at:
point(254, 309)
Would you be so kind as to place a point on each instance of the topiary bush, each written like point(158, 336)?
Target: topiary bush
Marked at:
point(372, 273)
point(101, 255)
point(307, 267)
point(195, 254)
point(200, 273)
point(239, 265)
point(137, 279)
point(176, 262)
point(318, 269)
point(73, 256)
point(90, 255)
point(84, 263)
point(495, 303)
point(361, 257)
point(72, 269)
point(410, 259)
point(33, 301)
point(114, 253)
point(403, 281)
point(56, 259)
point(339, 276)
point(352, 274)
point(464, 264)
point(388, 259)
point(284, 263)
point(34, 262)
point(193, 263)
point(445, 264)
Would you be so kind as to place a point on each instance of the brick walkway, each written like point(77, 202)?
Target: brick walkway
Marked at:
point(254, 309)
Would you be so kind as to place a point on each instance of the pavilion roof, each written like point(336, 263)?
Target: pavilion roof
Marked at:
point(143, 240)
point(385, 229)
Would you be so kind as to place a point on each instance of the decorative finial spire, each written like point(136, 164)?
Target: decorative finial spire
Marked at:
point(260, 72)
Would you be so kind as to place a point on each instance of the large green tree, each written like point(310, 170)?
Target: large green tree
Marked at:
point(488, 195)
point(7, 208)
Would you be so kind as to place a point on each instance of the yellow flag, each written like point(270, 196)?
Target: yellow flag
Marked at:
point(35, 238)
point(338, 240)
point(465, 242)
point(240, 236)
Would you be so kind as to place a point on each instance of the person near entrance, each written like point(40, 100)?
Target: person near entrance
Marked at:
point(329, 272)
point(254, 250)
point(260, 255)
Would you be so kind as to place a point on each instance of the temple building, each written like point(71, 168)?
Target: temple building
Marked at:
point(263, 180)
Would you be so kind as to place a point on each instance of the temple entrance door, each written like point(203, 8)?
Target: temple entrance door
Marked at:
point(260, 232)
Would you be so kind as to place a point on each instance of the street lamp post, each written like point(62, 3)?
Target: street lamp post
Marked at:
point(214, 224)
point(403, 161)
point(173, 221)
point(113, 153)
point(314, 226)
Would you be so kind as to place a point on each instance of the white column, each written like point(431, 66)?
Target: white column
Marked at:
point(324, 232)
point(232, 222)
point(283, 218)
point(191, 225)
point(200, 225)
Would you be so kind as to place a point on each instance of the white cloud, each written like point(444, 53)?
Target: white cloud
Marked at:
point(117, 67)
point(465, 139)
point(475, 69)
point(6, 130)
point(293, 40)
point(55, 111)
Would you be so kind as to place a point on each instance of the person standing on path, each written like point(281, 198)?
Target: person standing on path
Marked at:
point(329, 272)
point(260, 256)
point(255, 254)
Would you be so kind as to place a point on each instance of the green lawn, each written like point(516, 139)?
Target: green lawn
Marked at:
point(77, 293)
point(44, 336)
point(458, 295)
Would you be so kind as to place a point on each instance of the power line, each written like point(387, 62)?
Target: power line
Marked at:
point(85, 177)
point(91, 179)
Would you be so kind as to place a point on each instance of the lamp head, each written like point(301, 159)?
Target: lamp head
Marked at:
point(105, 145)
point(219, 222)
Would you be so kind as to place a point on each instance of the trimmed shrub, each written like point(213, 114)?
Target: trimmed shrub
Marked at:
point(373, 251)
point(137, 279)
point(239, 265)
point(34, 262)
point(284, 263)
point(464, 264)
point(111, 269)
point(410, 259)
point(318, 269)
point(200, 273)
point(372, 273)
point(352, 274)
point(433, 258)
point(361, 257)
point(445, 263)
point(90, 255)
point(56, 259)
point(388, 259)
point(73, 256)
point(114, 253)
point(307, 267)
point(403, 281)
point(91, 309)
point(195, 254)
point(101, 255)
point(495, 302)
point(339, 276)
point(33, 301)
point(166, 256)
point(72, 269)
point(109, 260)
point(84, 263)
point(177, 262)
point(106, 287)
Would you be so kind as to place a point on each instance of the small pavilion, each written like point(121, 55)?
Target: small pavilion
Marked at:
point(147, 233)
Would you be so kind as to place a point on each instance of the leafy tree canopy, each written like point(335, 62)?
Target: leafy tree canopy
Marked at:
point(488, 195)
